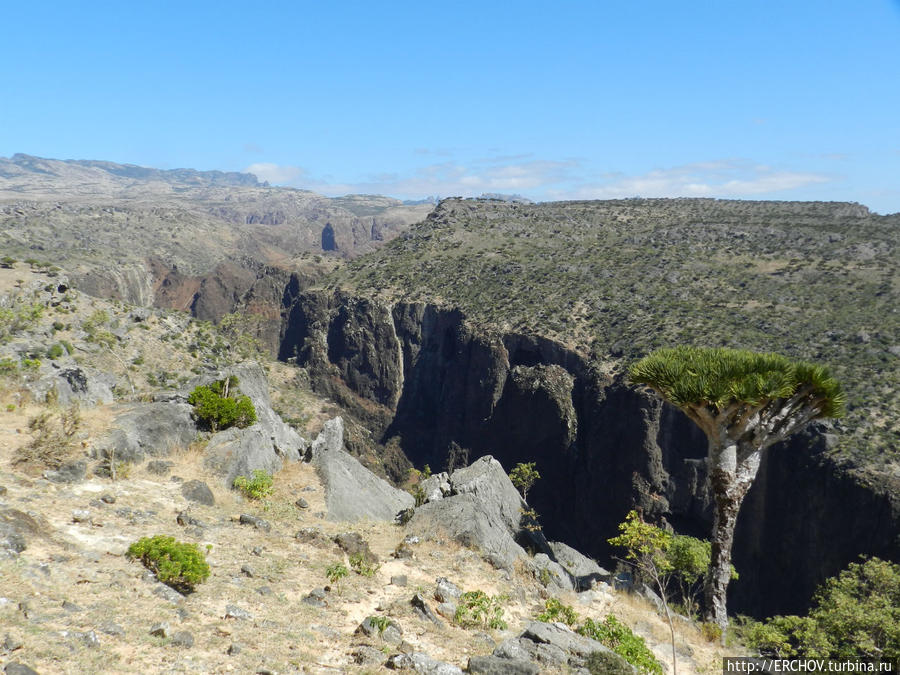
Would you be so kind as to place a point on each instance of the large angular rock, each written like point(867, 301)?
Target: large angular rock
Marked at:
point(75, 384)
point(584, 571)
point(483, 511)
point(423, 664)
point(148, 429)
point(352, 492)
point(553, 646)
point(264, 445)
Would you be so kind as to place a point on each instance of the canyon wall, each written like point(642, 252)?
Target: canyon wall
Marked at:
point(420, 376)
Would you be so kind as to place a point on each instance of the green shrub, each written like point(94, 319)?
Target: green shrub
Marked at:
point(604, 663)
point(55, 351)
point(334, 574)
point(620, 638)
point(215, 406)
point(523, 477)
point(855, 615)
point(554, 610)
point(179, 565)
point(360, 565)
point(476, 609)
point(257, 487)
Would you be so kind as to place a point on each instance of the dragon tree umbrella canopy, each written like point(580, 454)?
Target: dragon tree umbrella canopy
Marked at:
point(744, 402)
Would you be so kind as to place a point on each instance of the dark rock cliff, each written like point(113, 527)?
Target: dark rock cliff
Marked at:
point(422, 376)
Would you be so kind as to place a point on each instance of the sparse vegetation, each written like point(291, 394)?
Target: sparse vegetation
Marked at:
point(258, 486)
point(54, 437)
point(523, 477)
point(216, 406)
point(335, 573)
point(621, 639)
point(555, 611)
point(177, 564)
point(477, 609)
point(361, 565)
point(854, 615)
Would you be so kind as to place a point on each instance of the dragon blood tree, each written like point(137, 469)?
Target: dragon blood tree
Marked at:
point(744, 402)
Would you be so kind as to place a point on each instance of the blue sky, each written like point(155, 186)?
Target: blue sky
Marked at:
point(756, 100)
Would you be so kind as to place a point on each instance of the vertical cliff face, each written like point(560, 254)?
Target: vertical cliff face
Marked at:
point(419, 374)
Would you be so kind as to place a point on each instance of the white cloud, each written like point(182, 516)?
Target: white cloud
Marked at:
point(555, 179)
point(277, 174)
point(725, 178)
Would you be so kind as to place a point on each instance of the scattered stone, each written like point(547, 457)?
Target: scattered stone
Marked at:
point(234, 612)
point(258, 523)
point(316, 597)
point(88, 639)
point(70, 472)
point(167, 593)
point(14, 668)
point(107, 498)
point(247, 570)
point(399, 580)
point(183, 638)
point(185, 519)
point(198, 491)
point(422, 663)
point(113, 629)
point(301, 503)
point(233, 649)
point(160, 629)
point(422, 608)
point(554, 646)
point(312, 535)
point(391, 634)
point(159, 467)
point(81, 516)
point(402, 552)
point(10, 644)
point(447, 610)
point(264, 590)
point(446, 591)
point(71, 607)
point(353, 544)
point(364, 655)
point(257, 550)
point(494, 665)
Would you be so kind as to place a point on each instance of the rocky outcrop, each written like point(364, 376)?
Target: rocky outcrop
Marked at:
point(264, 445)
point(152, 429)
point(554, 646)
point(352, 492)
point(420, 373)
point(481, 509)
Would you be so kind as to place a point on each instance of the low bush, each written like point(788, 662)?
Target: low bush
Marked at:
point(554, 611)
point(177, 564)
point(476, 609)
point(855, 615)
point(257, 487)
point(216, 407)
point(620, 638)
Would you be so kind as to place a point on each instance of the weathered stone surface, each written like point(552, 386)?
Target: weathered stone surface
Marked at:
point(264, 445)
point(585, 571)
point(436, 486)
point(494, 665)
point(423, 609)
point(422, 664)
point(70, 472)
point(75, 384)
point(16, 527)
point(446, 591)
point(352, 492)
point(352, 544)
point(255, 521)
point(153, 429)
point(198, 491)
point(551, 573)
point(183, 638)
point(16, 668)
point(392, 633)
point(482, 511)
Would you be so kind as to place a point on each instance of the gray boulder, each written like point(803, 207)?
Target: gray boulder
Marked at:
point(70, 472)
point(148, 429)
point(352, 492)
point(16, 528)
point(422, 664)
point(551, 573)
point(494, 665)
point(585, 572)
point(264, 445)
point(436, 487)
point(555, 646)
point(483, 510)
point(75, 384)
point(198, 491)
